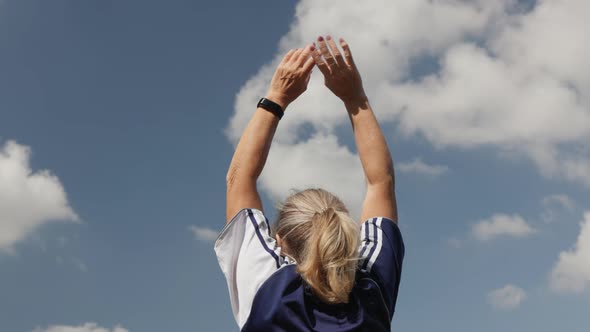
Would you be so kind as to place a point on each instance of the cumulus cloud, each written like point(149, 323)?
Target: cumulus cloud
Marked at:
point(508, 297)
point(400, 33)
point(203, 233)
point(87, 327)
point(419, 167)
point(466, 74)
point(27, 199)
point(571, 273)
point(318, 162)
point(521, 89)
point(501, 225)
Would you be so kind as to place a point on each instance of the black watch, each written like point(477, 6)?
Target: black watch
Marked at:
point(271, 106)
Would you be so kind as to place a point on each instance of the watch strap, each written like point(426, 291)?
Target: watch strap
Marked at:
point(271, 106)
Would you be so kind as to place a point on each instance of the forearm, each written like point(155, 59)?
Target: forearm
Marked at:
point(248, 162)
point(372, 147)
point(252, 150)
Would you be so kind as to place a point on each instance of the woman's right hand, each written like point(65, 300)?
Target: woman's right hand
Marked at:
point(340, 73)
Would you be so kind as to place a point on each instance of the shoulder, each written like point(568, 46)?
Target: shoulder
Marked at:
point(247, 256)
point(248, 222)
point(381, 256)
point(246, 215)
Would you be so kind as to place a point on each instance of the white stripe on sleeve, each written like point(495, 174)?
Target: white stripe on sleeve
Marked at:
point(379, 244)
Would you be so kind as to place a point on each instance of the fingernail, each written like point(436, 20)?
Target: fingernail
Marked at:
point(328, 37)
point(311, 47)
point(341, 40)
point(320, 38)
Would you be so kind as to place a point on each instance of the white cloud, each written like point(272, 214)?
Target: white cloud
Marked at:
point(204, 233)
point(562, 200)
point(318, 162)
point(571, 273)
point(503, 78)
point(87, 327)
point(553, 205)
point(508, 297)
point(501, 225)
point(400, 30)
point(27, 199)
point(420, 167)
point(522, 90)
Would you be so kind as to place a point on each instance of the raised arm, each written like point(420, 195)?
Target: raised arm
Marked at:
point(372, 148)
point(289, 81)
point(343, 79)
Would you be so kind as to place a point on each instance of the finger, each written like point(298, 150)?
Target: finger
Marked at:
point(326, 53)
point(317, 58)
point(335, 51)
point(304, 56)
point(308, 65)
point(295, 56)
point(288, 55)
point(347, 53)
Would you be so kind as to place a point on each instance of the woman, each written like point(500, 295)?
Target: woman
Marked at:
point(317, 271)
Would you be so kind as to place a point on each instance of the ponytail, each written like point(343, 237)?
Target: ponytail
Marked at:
point(330, 264)
point(324, 240)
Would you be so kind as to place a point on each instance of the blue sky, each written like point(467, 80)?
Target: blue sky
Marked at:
point(134, 107)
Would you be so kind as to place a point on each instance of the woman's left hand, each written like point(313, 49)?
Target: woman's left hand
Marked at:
point(291, 77)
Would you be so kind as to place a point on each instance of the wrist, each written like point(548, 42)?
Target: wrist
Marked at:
point(277, 98)
point(356, 102)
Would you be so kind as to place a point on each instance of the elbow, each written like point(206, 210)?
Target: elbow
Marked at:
point(382, 177)
point(236, 176)
point(231, 176)
point(387, 181)
point(229, 179)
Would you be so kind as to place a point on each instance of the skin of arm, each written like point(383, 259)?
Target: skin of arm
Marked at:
point(343, 79)
point(376, 160)
point(289, 81)
point(248, 161)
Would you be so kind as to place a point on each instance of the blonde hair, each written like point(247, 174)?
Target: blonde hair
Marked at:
point(322, 237)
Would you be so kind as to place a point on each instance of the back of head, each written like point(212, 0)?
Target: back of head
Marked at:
point(322, 237)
